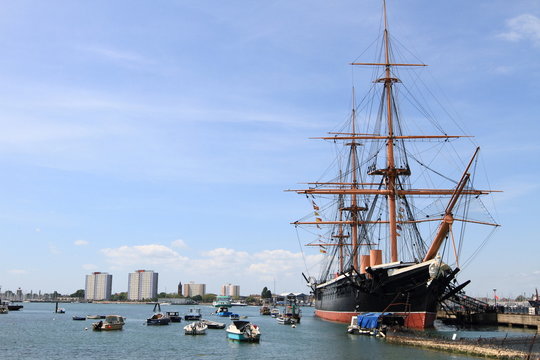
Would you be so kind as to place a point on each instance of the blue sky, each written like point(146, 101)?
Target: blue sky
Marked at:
point(161, 135)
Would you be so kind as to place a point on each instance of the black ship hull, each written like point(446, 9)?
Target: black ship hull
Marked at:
point(411, 291)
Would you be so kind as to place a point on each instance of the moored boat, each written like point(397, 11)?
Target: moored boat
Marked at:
point(285, 320)
point(264, 310)
point(158, 318)
point(14, 307)
point(194, 314)
point(223, 312)
point(174, 316)
point(92, 317)
point(79, 318)
point(381, 197)
point(375, 324)
point(241, 330)
point(274, 312)
point(111, 322)
point(213, 324)
point(195, 328)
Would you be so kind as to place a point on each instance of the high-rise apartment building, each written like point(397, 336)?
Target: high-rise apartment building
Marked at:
point(142, 284)
point(192, 289)
point(230, 290)
point(98, 286)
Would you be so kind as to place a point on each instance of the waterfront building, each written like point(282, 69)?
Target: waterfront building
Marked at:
point(193, 289)
point(230, 290)
point(180, 288)
point(98, 286)
point(142, 284)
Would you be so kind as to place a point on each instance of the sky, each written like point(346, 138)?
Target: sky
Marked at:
point(161, 135)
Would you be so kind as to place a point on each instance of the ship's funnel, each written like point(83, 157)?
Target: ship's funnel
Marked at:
point(364, 263)
point(375, 257)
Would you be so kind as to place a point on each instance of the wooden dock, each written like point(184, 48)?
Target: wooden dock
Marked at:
point(500, 319)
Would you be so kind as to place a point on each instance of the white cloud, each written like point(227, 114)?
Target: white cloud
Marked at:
point(153, 254)
point(80, 242)
point(17, 271)
point(219, 265)
point(523, 27)
point(179, 243)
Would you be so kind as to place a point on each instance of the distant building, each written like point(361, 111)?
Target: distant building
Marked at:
point(230, 290)
point(98, 286)
point(180, 288)
point(192, 289)
point(142, 285)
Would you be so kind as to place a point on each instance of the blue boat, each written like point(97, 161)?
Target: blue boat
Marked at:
point(223, 311)
point(241, 330)
point(374, 323)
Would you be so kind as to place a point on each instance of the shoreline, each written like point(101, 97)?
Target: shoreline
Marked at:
point(457, 347)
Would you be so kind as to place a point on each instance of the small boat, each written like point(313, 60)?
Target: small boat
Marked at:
point(158, 318)
point(194, 314)
point(374, 324)
point(238, 303)
point(174, 316)
point(92, 317)
point(59, 310)
point(3, 309)
point(264, 310)
point(213, 324)
point(243, 331)
point(13, 307)
point(112, 322)
point(292, 310)
point(79, 318)
point(274, 312)
point(195, 328)
point(285, 320)
point(223, 311)
point(234, 316)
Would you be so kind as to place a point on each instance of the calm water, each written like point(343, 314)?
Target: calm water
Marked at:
point(36, 332)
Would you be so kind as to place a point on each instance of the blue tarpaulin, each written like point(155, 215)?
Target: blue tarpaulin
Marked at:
point(370, 320)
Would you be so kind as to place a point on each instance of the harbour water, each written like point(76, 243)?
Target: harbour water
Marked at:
point(36, 332)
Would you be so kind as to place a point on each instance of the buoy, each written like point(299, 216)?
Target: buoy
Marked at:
point(85, 329)
point(293, 326)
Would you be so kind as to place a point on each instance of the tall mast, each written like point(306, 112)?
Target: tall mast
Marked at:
point(390, 163)
point(354, 205)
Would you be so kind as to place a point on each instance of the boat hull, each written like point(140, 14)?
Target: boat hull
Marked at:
point(242, 337)
point(412, 293)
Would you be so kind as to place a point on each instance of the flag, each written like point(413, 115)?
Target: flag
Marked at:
point(315, 207)
point(316, 213)
point(318, 219)
point(323, 251)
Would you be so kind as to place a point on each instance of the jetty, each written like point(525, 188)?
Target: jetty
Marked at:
point(528, 321)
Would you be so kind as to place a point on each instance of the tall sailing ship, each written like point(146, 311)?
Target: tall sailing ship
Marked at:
point(389, 220)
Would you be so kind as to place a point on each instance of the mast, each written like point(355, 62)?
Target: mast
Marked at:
point(354, 206)
point(390, 163)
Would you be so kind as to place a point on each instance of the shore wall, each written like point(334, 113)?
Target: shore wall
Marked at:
point(459, 348)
